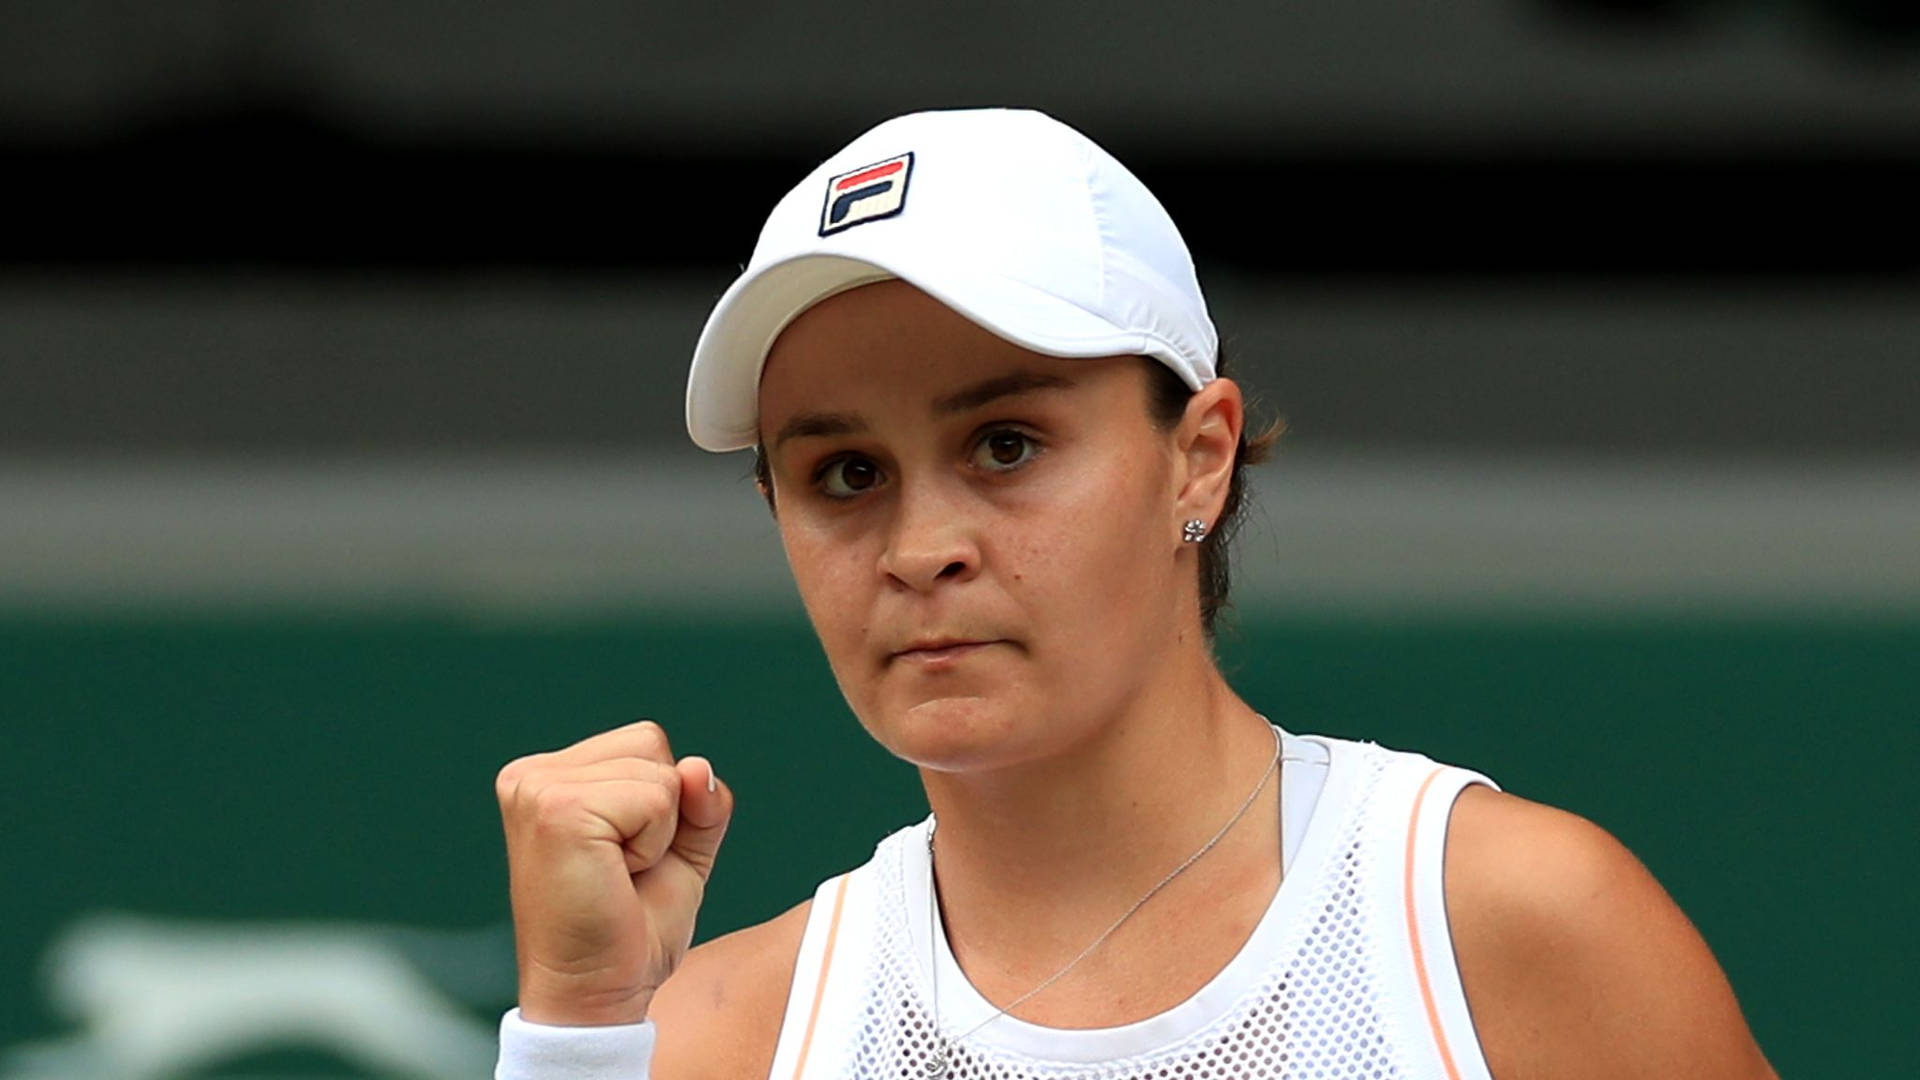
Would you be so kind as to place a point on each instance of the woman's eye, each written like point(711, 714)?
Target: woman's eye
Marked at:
point(843, 478)
point(1004, 449)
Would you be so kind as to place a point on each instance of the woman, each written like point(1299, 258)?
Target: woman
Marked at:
point(977, 370)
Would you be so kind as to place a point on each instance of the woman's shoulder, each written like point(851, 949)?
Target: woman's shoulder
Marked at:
point(1574, 960)
point(1364, 753)
point(720, 1013)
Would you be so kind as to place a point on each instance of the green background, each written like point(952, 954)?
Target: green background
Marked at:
point(294, 766)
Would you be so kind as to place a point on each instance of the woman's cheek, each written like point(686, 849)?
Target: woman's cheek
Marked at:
point(826, 577)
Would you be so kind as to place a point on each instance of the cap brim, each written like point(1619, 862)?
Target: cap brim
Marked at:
point(723, 384)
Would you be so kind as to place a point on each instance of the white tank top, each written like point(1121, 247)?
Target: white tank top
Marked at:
point(1349, 974)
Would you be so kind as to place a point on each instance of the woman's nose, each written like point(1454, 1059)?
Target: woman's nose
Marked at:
point(931, 541)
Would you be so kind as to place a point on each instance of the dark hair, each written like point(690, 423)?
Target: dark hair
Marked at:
point(1167, 397)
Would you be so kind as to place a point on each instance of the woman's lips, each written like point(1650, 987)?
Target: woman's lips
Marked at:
point(943, 657)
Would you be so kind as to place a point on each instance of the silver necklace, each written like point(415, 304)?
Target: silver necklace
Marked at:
point(939, 1058)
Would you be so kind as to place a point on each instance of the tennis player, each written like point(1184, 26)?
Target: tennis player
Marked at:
point(976, 368)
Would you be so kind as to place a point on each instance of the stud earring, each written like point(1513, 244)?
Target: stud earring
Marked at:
point(1194, 531)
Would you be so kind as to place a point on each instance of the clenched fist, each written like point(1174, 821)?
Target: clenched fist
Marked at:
point(609, 846)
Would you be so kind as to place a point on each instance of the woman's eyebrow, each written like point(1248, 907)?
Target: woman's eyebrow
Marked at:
point(810, 424)
point(980, 393)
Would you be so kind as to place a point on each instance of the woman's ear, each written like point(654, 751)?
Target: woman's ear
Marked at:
point(1206, 441)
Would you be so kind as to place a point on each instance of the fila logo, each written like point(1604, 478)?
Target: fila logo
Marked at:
point(868, 193)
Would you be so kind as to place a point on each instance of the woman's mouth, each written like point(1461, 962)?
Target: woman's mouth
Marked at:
point(940, 655)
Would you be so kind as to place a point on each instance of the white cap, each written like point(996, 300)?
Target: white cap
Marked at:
point(1009, 217)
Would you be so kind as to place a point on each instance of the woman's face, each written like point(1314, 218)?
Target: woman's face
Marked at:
point(987, 540)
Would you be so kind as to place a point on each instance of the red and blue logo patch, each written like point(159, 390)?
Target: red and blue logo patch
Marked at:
point(868, 193)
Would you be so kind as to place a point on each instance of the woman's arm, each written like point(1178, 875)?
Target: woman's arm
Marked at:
point(719, 1016)
point(1575, 962)
point(716, 1018)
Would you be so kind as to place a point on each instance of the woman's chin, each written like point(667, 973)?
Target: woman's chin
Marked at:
point(953, 734)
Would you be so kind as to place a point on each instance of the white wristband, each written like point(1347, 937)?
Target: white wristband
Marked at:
point(530, 1051)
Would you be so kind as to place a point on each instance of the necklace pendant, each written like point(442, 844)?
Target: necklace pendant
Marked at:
point(936, 1064)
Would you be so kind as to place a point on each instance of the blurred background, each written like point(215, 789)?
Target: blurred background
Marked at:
point(342, 350)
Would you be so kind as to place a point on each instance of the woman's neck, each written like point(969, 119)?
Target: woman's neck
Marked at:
point(1049, 852)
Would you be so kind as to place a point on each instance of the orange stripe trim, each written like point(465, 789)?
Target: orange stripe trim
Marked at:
point(826, 963)
point(1413, 932)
